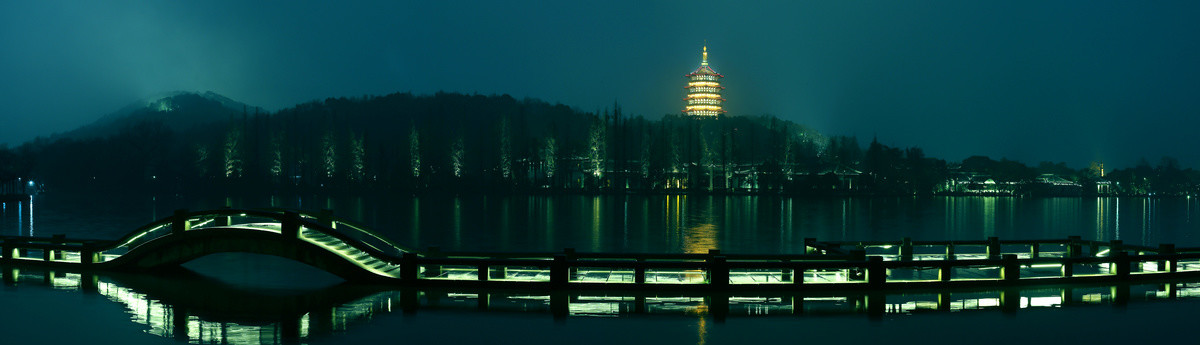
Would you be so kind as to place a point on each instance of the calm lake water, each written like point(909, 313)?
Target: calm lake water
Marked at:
point(671, 224)
point(200, 305)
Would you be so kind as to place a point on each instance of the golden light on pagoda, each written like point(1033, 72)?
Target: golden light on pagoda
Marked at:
point(704, 90)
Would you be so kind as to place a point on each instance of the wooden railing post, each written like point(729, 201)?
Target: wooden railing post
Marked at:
point(858, 273)
point(1074, 250)
point(409, 267)
point(558, 271)
point(87, 254)
point(433, 270)
point(1035, 250)
point(1121, 265)
point(785, 273)
point(876, 273)
point(993, 248)
point(290, 226)
point(1011, 271)
point(483, 272)
point(950, 250)
point(325, 217)
point(797, 273)
point(1172, 263)
point(639, 271)
point(6, 250)
point(945, 271)
point(223, 220)
point(571, 271)
point(906, 249)
point(180, 222)
point(47, 253)
point(1068, 267)
point(56, 254)
point(718, 269)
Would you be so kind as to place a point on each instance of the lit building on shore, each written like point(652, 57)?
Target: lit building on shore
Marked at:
point(704, 90)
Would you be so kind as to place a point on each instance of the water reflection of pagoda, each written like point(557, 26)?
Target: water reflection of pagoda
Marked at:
point(704, 90)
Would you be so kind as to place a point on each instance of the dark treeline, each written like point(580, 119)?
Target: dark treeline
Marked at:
point(467, 143)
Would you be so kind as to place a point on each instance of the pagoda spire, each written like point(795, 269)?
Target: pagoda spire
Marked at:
point(704, 57)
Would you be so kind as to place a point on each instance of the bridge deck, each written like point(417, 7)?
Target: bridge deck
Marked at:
point(825, 265)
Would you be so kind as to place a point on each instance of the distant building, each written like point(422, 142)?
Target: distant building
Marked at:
point(704, 90)
point(18, 189)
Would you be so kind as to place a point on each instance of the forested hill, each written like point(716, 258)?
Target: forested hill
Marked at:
point(407, 141)
point(178, 110)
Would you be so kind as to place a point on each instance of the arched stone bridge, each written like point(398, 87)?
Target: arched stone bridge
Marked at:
point(348, 250)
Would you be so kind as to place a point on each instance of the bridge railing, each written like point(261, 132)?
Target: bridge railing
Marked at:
point(354, 231)
point(181, 221)
point(265, 220)
point(823, 264)
point(993, 262)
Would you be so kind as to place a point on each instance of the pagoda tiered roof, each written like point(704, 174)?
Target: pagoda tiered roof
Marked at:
point(704, 70)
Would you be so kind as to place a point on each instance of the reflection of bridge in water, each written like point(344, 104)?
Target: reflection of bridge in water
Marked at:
point(358, 254)
point(196, 309)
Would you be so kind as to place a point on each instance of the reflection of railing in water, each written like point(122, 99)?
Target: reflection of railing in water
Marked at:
point(204, 323)
point(200, 310)
point(363, 254)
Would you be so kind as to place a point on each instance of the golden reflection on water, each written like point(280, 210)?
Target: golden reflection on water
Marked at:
point(695, 230)
point(596, 224)
point(702, 312)
point(673, 215)
point(700, 238)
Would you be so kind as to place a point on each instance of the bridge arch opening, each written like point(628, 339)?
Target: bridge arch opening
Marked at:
point(262, 272)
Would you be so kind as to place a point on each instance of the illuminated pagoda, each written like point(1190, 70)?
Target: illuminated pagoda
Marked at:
point(704, 90)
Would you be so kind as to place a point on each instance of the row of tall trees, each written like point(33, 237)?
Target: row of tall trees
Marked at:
point(446, 140)
point(451, 141)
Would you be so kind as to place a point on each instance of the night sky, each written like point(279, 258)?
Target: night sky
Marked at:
point(1071, 81)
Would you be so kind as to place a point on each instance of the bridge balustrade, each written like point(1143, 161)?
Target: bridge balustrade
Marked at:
point(832, 265)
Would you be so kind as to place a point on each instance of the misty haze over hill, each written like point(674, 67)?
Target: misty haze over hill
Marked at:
point(178, 111)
